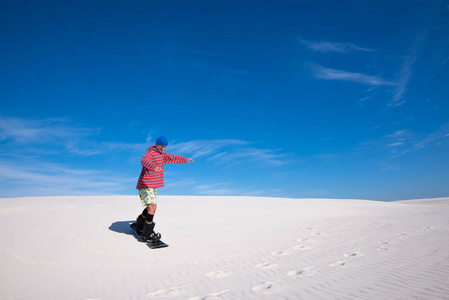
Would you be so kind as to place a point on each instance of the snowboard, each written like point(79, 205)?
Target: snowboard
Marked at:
point(152, 245)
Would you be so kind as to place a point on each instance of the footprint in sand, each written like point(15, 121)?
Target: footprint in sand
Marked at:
point(302, 248)
point(339, 263)
point(402, 236)
point(267, 288)
point(304, 272)
point(317, 233)
point(280, 253)
point(170, 292)
point(382, 248)
point(266, 265)
point(302, 240)
point(426, 229)
point(212, 296)
point(355, 254)
point(218, 274)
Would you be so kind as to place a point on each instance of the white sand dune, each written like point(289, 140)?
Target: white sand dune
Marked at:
point(225, 248)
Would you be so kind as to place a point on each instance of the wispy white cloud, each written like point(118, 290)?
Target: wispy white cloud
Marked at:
point(264, 193)
point(198, 148)
point(91, 148)
point(392, 143)
point(435, 138)
point(228, 188)
point(395, 144)
point(364, 99)
point(326, 47)
point(219, 188)
point(399, 82)
point(321, 72)
point(267, 156)
point(30, 176)
point(401, 87)
point(403, 77)
point(57, 134)
point(82, 149)
point(398, 133)
point(386, 149)
point(49, 157)
point(403, 142)
point(229, 152)
point(397, 140)
point(149, 137)
point(78, 141)
point(40, 131)
point(387, 166)
point(405, 73)
point(54, 157)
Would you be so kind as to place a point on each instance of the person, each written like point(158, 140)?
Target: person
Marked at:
point(151, 178)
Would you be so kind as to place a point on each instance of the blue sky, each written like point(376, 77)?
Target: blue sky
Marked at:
point(322, 99)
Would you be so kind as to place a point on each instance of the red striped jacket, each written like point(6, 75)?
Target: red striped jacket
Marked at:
point(150, 161)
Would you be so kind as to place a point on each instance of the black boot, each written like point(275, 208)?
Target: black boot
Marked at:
point(140, 221)
point(148, 234)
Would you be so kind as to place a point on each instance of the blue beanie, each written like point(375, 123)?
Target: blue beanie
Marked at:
point(162, 140)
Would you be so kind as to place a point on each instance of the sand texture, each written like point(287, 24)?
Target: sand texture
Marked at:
point(225, 248)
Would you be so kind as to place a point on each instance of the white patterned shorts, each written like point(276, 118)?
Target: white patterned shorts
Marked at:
point(148, 196)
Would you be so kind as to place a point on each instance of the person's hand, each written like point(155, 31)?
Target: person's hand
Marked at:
point(157, 170)
point(189, 160)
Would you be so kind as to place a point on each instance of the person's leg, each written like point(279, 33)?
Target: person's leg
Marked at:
point(151, 206)
point(150, 212)
point(148, 199)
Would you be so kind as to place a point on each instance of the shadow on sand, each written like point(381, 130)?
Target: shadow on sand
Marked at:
point(122, 227)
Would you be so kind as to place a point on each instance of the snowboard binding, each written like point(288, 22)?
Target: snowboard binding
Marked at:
point(148, 235)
